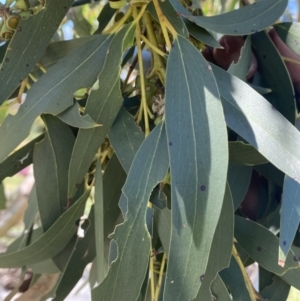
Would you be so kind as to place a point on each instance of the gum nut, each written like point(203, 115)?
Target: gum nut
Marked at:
point(284, 50)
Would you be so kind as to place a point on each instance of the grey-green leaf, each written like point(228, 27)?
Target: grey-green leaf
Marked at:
point(24, 51)
point(103, 106)
point(126, 137)
point(246, 20)
point(51, 162)
point(275, 75)
point(72, 117)
point(198, 150)
point(239, 177)
point(53, 93)
point(219, 258)
point(262, 245)
point(249, 117)
point(132, 239)
point(51, 242)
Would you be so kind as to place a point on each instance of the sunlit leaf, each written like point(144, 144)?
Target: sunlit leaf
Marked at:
point(198, 149)
point(132, 238)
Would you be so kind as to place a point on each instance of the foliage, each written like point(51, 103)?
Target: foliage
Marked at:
point(192, 162)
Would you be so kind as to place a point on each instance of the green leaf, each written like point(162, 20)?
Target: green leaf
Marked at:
point(290, 34)
point(250, 117)
point(246, 154)
point(239, 178)
point(126, 137)
point(219, 290)
point(201, 34)
point(170, 13)
point(103, 106)
point(51, 242)
point(53, 93)
point(24, 51)
point(241, 68)
point(51, 159)
point(234, 280)
point(83, 253)
point(72, 117)
point(162, 220)
point(275, 75)
point(127, 272)
point(277, 291)
point(104, 17)
point(198, 149)
point(19, 159)
point(290, 216)
point(262, 245)
point(219, 258)
point(246, 20)
point(58, 50)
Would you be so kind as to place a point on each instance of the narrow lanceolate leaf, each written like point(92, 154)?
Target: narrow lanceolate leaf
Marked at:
point(250, 116)
point(72, 117)
point(24, 51)
point(2, 198)
point(275, 75)
point(239, 177)
point(219, 258)
point(103, 106)
point(198, 150)
point(51, 242)
point(234, 280)
point(51, 162)
point(246, 20)
point(262, 245)
point(290, 216)
point(126, 137)
point(53, 93)
point(219, 290)
point(127, 271)
point(19, 159)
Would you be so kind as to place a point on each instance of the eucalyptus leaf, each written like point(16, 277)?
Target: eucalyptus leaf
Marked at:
point(53, 93)
point(125, 137)
point(235, 282)
point(277, 291)
point(51, 242)
point(219, 258)
point(239, 178)
point(123, 282)
point(262, 245)
point(219, 290)
point(2, 198)
point(103, 106)
point(23, 51)
point(249, 117)
point(198, 166)
point(246, 20)
point(19, 159)
point(72, 117)
point(275, 75)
